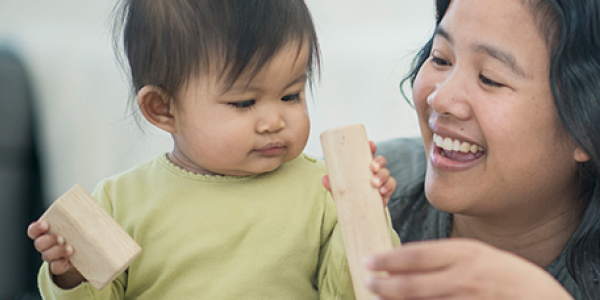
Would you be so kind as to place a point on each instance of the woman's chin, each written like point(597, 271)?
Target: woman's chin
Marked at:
point(444, 197)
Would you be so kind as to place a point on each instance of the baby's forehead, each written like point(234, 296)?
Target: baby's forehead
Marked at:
point(230, 78)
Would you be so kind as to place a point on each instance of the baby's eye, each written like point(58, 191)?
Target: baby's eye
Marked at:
point(291, 97)
point(243, 104)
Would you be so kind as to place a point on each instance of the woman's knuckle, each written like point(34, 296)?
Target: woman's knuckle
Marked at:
point(416, 258)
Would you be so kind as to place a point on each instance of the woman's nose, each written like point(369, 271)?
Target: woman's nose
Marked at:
point(451, 98)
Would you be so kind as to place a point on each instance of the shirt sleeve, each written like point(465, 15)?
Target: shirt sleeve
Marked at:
point(50, 291)
point(334, 278)
point(333, 275)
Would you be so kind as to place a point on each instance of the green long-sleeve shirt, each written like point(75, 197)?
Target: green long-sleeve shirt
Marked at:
point(269, 236)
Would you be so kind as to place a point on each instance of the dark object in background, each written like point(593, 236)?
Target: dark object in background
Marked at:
point(20, 184)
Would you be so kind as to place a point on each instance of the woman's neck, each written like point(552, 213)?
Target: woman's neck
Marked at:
point(539, 238)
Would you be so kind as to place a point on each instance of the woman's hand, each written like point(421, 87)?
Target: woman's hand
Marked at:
point(381, 176)
point(459, 269)
point(55, 251)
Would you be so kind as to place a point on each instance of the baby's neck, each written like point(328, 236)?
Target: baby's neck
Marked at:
point(180, 161)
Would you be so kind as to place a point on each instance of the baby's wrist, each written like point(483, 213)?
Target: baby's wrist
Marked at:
point(68, 280)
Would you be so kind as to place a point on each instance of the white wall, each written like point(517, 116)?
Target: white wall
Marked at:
point(81, 93)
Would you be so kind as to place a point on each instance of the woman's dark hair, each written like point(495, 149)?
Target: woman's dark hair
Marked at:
point(572, 32)
point(168, 42)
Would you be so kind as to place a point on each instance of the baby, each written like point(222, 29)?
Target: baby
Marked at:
point(235, 210)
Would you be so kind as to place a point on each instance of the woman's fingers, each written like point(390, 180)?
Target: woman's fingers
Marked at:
point(459, 269)
point(421, 270)
point(414, 257)
point(426, 285)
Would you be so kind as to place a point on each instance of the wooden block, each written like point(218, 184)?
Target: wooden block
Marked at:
point(361, 214)
point(102, 249)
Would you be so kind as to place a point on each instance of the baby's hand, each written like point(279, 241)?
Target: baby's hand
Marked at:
point(381, 177)
point(56, 253)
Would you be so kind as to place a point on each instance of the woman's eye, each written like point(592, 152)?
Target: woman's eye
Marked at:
point(291, 97)
point(243, 104)
point(439, 61)
point(489, 82)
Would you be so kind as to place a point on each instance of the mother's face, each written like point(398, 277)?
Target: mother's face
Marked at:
point(490, 128)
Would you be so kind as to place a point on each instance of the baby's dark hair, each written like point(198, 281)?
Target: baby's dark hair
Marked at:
point(169, 42)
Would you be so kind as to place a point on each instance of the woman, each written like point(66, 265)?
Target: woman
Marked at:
point(508, 99)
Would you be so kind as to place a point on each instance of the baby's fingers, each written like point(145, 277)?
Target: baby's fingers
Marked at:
point(60, 266)
point(325, 182)
point(47, 241)
point(387, 190)
point(379, 162)
point(380, 178)
point(373, 147)
point(36, 229)
point(57, 252)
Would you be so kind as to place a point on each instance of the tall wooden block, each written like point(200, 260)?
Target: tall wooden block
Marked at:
point(102, 249)
point(360, 209)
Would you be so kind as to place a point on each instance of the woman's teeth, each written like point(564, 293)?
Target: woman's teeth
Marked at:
point(455, 145)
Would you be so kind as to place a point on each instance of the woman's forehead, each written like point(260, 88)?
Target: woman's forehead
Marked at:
point(500, 16)
point(504, 30)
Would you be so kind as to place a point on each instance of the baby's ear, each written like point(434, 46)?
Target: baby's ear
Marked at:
point(155, 105)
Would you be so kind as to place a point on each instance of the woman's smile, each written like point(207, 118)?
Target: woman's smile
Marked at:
point(453, 154)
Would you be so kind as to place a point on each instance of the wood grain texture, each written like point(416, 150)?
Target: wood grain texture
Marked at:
point(361, 214)
point(102, 249)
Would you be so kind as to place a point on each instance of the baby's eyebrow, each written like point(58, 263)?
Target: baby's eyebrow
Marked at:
point(249, 87)
point(302, 78)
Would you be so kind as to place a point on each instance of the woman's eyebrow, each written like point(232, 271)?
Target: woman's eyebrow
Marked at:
point(440, 31)
point(503, 56)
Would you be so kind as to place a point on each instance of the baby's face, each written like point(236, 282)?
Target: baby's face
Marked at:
point(252, 128)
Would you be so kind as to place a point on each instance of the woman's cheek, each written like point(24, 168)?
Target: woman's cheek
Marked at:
point(422, 88)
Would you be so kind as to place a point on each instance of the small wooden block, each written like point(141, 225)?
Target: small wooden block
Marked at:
point(361, 214)
point(102, 249)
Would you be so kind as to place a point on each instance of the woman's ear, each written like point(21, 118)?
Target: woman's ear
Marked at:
point(580, 156)
point(155, 105)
